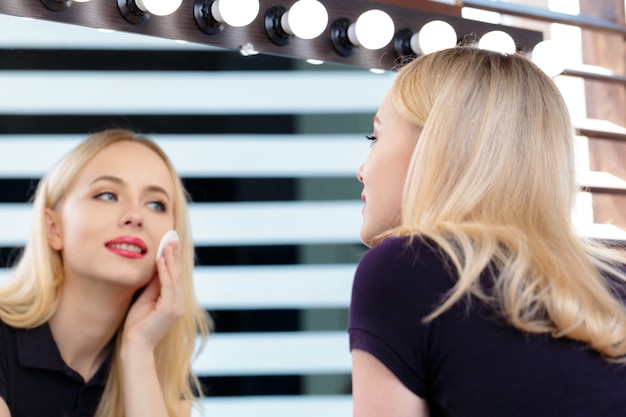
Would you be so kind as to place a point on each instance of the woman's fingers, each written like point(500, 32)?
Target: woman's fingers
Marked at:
point(170, 276)
point(161, 303)
point(151, 291)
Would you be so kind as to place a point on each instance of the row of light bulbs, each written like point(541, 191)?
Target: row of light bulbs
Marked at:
point(308, 19)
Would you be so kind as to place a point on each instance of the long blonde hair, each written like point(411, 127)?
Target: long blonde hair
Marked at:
point(492, 181)
point(32, 295)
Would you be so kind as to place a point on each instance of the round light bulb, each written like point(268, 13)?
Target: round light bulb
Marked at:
point(548, 56)
point(306, 19)
point(432, 37)
point(497, 41)
point(235, 13)
point(158, 7)
point(374, 29)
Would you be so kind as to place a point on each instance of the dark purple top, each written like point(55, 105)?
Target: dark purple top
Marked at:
point(36, 382)
point(467, 362)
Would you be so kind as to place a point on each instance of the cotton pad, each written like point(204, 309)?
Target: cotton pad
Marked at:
point(170, 236)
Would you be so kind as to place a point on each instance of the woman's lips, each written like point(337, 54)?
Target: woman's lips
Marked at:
point(128, 247)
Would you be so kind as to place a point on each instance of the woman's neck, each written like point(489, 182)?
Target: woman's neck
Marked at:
point(85, 322)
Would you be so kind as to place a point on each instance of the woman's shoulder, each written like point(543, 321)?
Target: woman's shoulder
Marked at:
point(413, 252)
point(26, 338)
point(6, 330)
point(9, 335)
point(8, 338)
point(406, 263)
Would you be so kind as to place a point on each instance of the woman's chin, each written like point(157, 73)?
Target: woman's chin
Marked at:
point(366, 237)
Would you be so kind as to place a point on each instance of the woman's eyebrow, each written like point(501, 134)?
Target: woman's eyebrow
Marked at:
point(110, 178)
point(119, 181)
point(158, 189)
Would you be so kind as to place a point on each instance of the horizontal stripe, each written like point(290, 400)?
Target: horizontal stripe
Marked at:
point(269, 287)
point(276, 406)
point(258, 385)
point(276, 223)
point(275, 353)
point(251, 255)
point(296, 155)
point(288, 286)
point(276, 92)
point(138, 60)
point(318, 123)
point(50, 124)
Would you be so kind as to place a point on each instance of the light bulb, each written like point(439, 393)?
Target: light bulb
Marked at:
point(306, 19)
point(158, 7)
point(236, 13)
point(373, 30)
point(497, 41)
point(81, 1)
point(548, 56)
point(432, 37)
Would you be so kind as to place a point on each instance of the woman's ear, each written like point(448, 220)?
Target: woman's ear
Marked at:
point(53, 230)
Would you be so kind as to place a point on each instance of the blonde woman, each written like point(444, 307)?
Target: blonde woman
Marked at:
point(478, 297)
point(92, 324)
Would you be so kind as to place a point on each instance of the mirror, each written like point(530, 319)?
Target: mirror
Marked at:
point(268, 148)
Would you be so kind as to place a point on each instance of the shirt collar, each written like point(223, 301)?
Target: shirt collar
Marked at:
point(36, 348)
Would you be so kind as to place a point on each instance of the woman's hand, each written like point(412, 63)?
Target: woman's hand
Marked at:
point(159, 306)
point(150, 317)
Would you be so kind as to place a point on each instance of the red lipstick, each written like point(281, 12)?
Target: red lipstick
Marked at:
point(128, 247)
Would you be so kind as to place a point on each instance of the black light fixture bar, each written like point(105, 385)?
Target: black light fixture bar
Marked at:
point(57, 5)
point(183, 25)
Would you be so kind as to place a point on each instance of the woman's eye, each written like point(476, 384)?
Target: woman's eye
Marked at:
point(371, 138)
point(157, 205)
point(106, 196)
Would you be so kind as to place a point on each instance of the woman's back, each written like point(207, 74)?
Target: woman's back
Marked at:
point(468, 361)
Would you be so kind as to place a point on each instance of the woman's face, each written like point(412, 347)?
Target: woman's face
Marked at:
point(384, 171)
point(109, 223)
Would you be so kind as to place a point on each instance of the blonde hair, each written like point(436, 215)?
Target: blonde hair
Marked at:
point(32, 296)
point(492, 182)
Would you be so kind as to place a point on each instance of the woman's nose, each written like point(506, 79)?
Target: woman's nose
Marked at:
point(132, 217)
point(359, 174)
